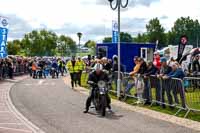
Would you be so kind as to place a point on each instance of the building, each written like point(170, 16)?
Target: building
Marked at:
point(128, 52)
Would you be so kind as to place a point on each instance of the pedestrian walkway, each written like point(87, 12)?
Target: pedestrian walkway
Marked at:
point(11, 121)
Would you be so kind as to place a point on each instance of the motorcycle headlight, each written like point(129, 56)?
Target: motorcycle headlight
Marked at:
point(101, 84)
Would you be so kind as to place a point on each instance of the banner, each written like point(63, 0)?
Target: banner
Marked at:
point(114, 32)
point(3, 36)
point(183, 42)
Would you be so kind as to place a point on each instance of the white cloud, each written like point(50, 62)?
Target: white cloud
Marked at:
point(92, 18)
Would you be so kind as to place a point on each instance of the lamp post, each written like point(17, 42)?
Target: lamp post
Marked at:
point(79, 34)
point(118, 5)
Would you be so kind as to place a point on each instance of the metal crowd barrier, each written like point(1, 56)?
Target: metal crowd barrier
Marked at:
point(173, 92)
point(17, 71)
point(1, 73)
point(192, 93)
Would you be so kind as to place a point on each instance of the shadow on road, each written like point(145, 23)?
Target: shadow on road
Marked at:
point(109, 116)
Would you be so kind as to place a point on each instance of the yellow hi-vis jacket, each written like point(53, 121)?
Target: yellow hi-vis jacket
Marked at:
point(81, 65)
point(60, 63)
point(72, 69)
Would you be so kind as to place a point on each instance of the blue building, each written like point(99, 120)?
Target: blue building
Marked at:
point(128, 52)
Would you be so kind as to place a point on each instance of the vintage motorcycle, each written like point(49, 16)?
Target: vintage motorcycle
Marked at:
point(100, 96)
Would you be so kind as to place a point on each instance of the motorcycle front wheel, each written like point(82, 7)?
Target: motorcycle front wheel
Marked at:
point(103, 105)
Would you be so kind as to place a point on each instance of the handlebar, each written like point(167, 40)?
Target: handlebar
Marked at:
point(93, 83)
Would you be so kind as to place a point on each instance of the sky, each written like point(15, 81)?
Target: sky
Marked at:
point(91, 17)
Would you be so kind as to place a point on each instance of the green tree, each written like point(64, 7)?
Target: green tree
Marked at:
point(86, 44)
point(141, 38)
point(124, 37)
point(186, 26)
point(107, 40)
point(14, 47)
point(155, 32)
point(171, 38)
point(66, 45)
point(40, 43)
point(90, 44)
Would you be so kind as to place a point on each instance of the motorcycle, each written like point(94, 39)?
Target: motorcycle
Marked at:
point(100, 97)
point(53, 71)
point(39, 72)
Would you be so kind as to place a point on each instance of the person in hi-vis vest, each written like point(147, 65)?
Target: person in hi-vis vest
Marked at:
point(81, 67)
point(73, 69)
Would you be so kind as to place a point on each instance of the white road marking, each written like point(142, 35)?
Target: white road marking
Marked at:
point(40, 82)
point(19, 116)
point(21, 130)
point(53, 83)
point(28, 84)
point(4, 111)
point(11, 124)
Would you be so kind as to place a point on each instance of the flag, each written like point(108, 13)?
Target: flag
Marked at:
point(114, 32)
point(3, 36)
point(183, 42)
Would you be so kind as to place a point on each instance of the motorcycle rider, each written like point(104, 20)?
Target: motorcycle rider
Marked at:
point(41, 66)
point(55, 66)
point(95, 77)
point(61, 66)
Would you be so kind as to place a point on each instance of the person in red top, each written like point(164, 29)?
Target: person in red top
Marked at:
point(156, 60)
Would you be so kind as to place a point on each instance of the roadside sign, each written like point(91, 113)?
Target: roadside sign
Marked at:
point(3, 36)
point(114, 32)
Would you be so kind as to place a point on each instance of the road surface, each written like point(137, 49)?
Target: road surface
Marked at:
point(56, 108)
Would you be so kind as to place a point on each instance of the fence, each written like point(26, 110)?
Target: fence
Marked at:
point(192, 89)
point(17, 71)
point(175, 93)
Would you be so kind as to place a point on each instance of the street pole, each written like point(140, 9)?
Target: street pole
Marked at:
point(79, 46)
point(119, 55)
point(79, 34)
point(118, 6)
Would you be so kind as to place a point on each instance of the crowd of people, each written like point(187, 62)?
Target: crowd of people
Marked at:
point(160, 67)
point(43, 67)
point(13, 65)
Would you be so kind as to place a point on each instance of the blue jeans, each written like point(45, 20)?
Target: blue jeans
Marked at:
point(129, 87)
point(147, 91)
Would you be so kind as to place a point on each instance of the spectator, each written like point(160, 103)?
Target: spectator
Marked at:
point(176, 72)
point(56, 67)
point(115, 65)
point(132, 74)
point(194, 67)
point(106, 65)
point(171, 61)
point(143, 66)
point(115, 70)
point(156, 60)
point(165, 70)
point(174, 85)
point(61, 67)
point(139, 80)
point(10, 68)
point(151, 70)
point(1, 69)
point(34, 69)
